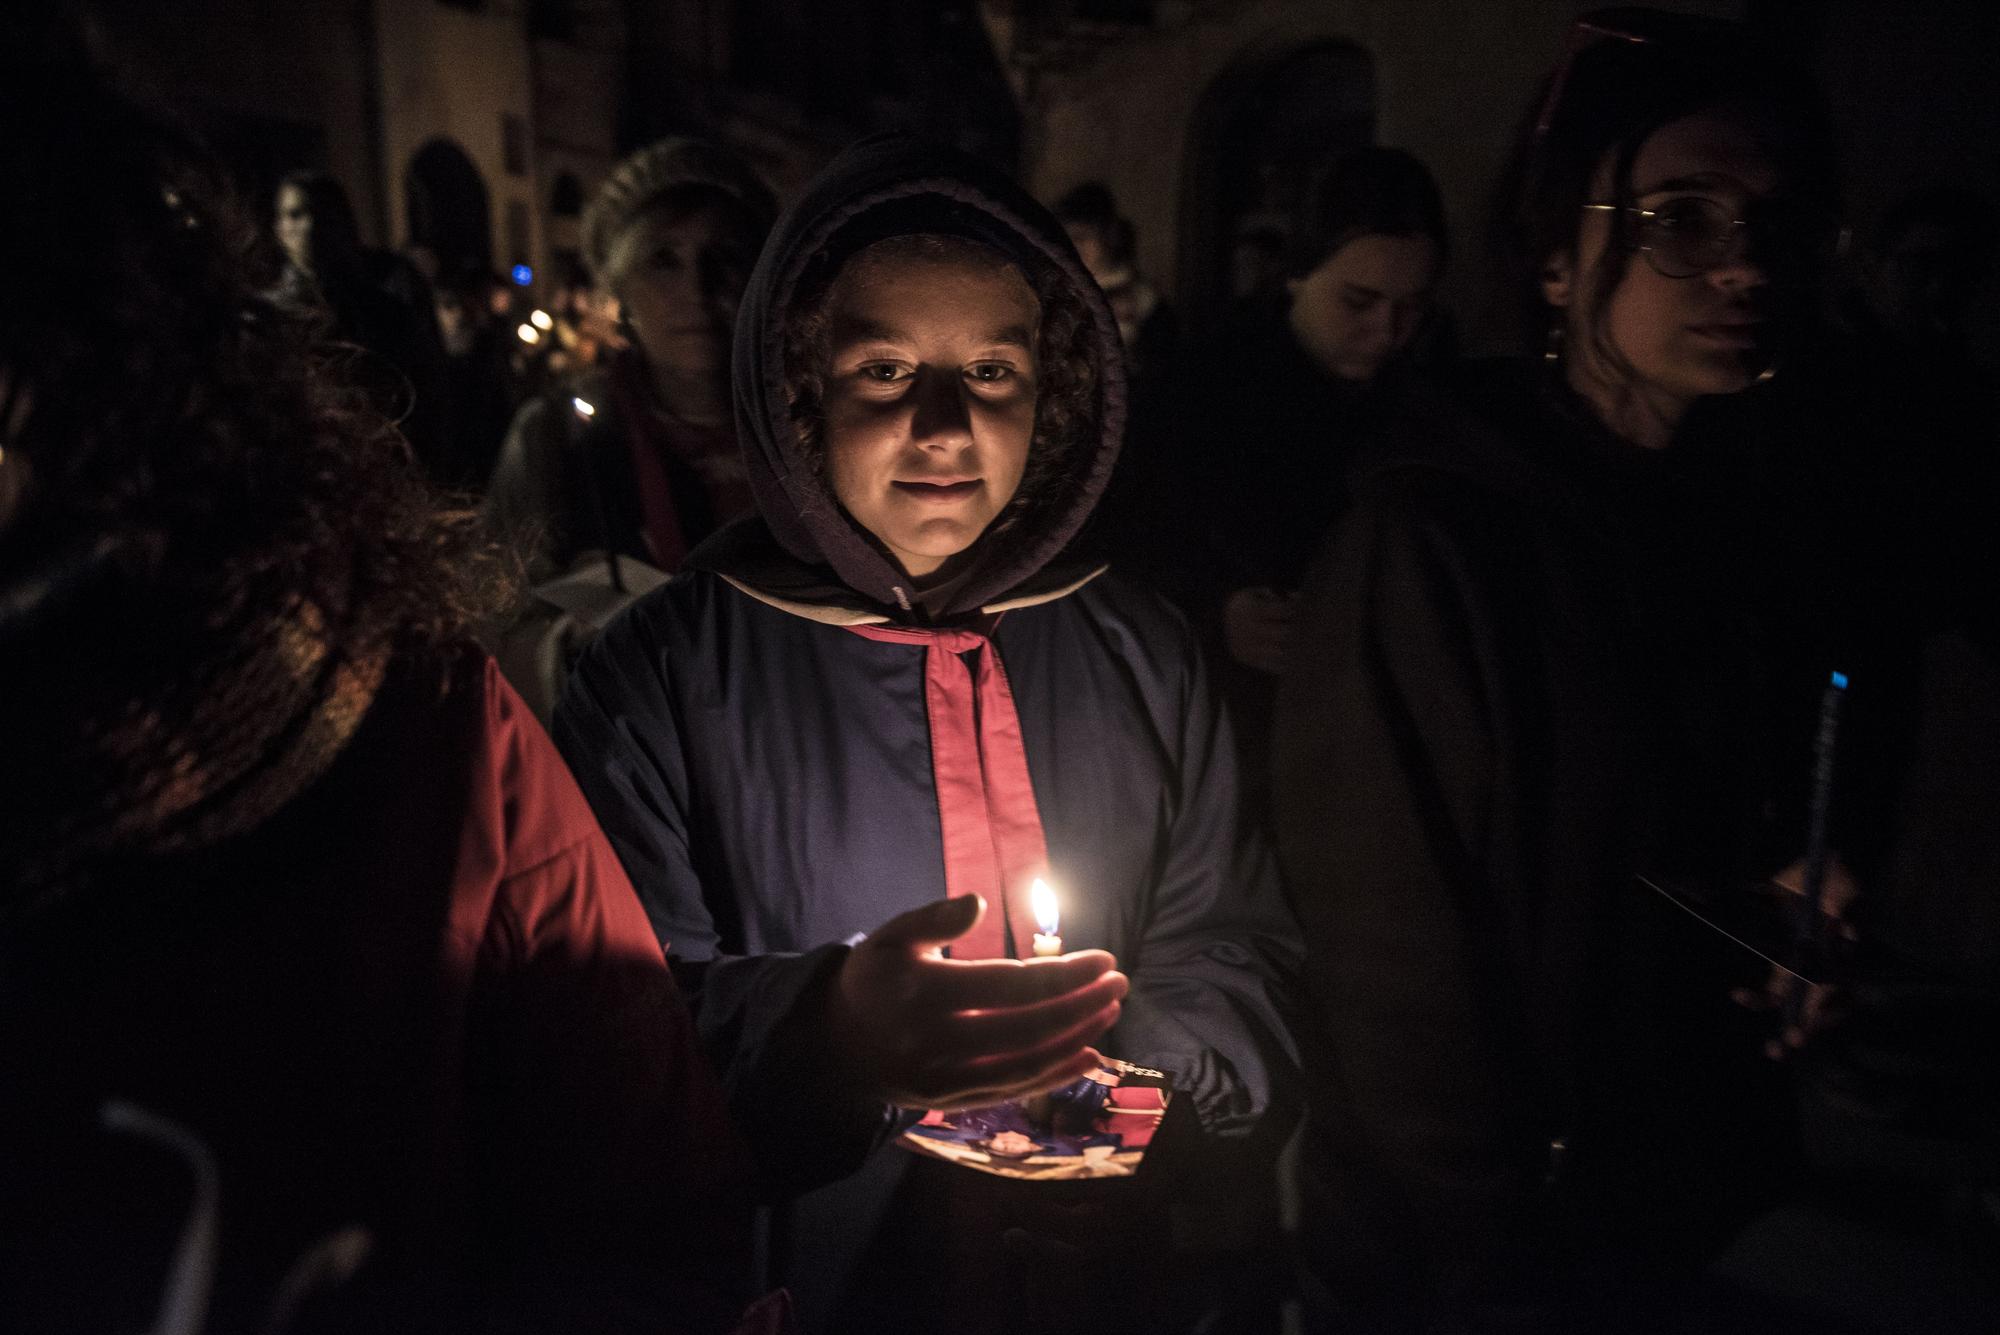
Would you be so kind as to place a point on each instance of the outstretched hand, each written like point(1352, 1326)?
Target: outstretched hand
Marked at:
point(930, 1032)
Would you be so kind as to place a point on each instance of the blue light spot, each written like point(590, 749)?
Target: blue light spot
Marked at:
point(523, 275)
point(1840, 681)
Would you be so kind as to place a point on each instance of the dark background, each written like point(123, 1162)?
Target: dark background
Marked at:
point(478, 127)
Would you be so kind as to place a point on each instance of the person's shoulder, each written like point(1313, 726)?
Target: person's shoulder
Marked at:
point(679, 630)
point(1120, 599)
point(671, 612)
point(1137, 624)
point(1452, 446)
point(528, 800)
point(457, 752)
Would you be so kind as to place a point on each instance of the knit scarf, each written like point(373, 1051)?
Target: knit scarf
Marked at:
point(111, 762)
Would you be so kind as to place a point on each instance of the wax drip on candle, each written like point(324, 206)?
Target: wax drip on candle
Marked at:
point(1042, 901)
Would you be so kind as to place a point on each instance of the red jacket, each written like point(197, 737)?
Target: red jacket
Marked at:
point(422, 1002)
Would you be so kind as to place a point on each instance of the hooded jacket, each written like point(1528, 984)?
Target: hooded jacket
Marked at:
point(766, 774)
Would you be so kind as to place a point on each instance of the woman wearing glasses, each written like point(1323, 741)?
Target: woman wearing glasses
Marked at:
point(1533, 667)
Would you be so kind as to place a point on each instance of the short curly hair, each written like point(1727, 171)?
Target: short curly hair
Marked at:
point(1067, 422)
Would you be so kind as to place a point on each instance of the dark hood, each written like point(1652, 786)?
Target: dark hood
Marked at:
point(885, 186)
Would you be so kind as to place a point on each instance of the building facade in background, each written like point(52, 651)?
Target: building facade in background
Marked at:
point(476, 130)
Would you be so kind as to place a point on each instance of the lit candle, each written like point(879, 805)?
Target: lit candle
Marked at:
point(1043, 901)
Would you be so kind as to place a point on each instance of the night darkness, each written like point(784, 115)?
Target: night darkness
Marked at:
point(1015, 667)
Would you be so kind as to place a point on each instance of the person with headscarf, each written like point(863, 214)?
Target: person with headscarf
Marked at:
point(324, 1004)
point(858, 727)
point(638, 457)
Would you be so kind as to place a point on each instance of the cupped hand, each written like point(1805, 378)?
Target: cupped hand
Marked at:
point(931, 1032)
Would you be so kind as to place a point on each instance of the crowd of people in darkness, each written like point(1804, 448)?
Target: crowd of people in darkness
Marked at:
point(510, 814)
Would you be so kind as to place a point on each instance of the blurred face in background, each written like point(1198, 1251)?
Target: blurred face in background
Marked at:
point(929, 402)
point(1092, 247)
point(678, 276)
point(1364, 303)
point(294, 226)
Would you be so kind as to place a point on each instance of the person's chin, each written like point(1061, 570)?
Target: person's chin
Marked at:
point(940, 541)
point(1731, 376)
point(1708, 370)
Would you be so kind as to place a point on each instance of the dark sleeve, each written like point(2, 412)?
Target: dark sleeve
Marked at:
point(1215, 974)
point(1392, 775)
point(617, 1192)
point(614, 1192)
point(761, 1018)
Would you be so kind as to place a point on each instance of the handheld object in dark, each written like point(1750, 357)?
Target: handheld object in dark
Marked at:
point(1812, 924)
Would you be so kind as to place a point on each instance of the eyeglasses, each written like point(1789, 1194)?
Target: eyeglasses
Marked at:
point(1687, 237)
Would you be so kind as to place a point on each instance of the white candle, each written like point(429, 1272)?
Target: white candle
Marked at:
point(1043, 901)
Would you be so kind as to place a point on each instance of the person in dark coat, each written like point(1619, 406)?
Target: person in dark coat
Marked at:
point(324, 1003)
point(899, 691)
point(1300, 386)
point(1543, 664)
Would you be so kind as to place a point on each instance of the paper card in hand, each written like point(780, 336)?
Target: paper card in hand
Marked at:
point(1763, 919)
point(1098, 1126)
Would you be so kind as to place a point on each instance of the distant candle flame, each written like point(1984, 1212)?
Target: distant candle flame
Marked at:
point(1043, 901)
point(584, 407)
point(541, 320)
point(527, 333)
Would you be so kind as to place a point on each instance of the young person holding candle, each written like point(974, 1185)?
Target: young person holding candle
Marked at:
point(1542, 659)
point(901, 695)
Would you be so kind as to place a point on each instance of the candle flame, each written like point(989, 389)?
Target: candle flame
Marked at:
point(1043, 901)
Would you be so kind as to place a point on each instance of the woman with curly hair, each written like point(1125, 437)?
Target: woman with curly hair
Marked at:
point(295, 894)
point(899, 697)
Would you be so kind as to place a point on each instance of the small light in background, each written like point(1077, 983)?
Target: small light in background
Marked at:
point(540, 320)
point(524, 274)
point(528, 334)
point(584, 408)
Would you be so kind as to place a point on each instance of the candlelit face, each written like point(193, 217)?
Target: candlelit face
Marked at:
point(929, 403)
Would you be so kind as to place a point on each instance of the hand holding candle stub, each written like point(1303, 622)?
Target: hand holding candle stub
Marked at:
point(930, 1032)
